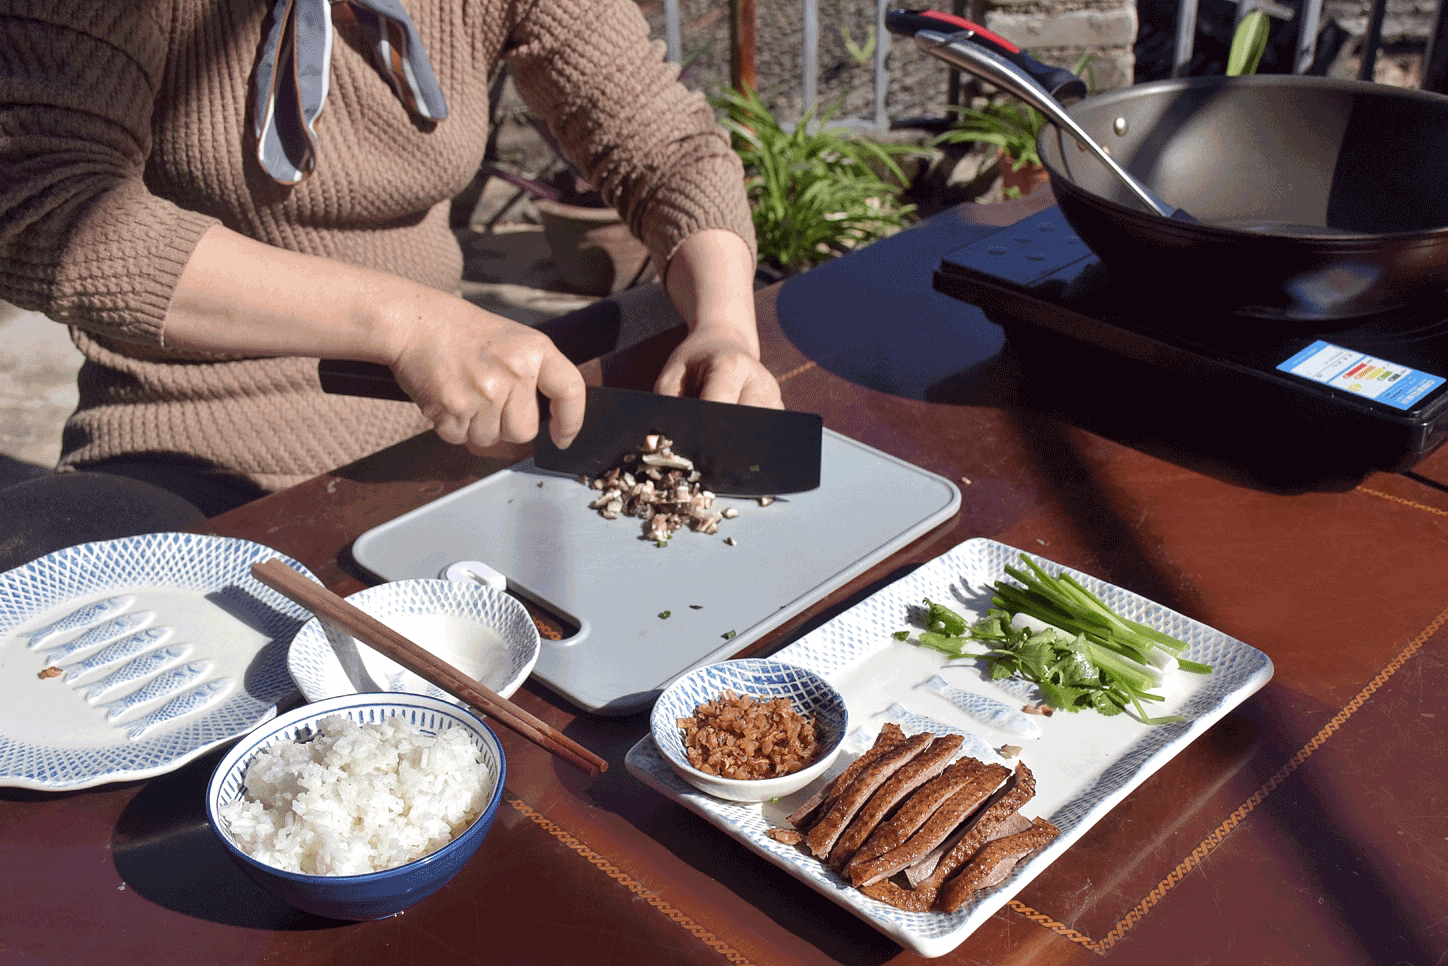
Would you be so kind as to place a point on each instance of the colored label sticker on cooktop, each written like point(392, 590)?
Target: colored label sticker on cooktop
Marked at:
point(1361, 374)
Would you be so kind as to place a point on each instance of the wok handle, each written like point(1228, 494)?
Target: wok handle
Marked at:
point(979, 60)
point(1060, 82)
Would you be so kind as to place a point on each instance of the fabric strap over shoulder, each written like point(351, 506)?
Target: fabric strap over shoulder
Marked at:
point(294, 69)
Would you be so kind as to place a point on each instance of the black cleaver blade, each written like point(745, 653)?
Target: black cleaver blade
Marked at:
point(738, 450)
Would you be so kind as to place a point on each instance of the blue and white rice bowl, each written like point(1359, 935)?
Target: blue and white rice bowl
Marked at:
point(484, 633)
point(370, 895)
point(764, 679)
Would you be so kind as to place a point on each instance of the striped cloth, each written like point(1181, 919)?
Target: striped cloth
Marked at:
point(294, 67)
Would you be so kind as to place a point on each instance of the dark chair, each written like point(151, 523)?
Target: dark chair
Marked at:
point(61, 510)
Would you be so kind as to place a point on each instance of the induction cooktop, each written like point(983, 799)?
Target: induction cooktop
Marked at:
point(1376, 383)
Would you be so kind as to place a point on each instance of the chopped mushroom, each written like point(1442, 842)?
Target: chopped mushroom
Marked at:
point(663, 491)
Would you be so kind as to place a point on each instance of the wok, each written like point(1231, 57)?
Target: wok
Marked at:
point(1310, 199)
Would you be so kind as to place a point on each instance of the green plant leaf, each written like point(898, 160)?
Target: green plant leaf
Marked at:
point(859, 53)
point(816, 189)
point(1249, 43)
point(1010, 126)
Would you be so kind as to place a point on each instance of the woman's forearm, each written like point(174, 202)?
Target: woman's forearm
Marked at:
point(711, 281)
point(474, 374)
point(238, 295)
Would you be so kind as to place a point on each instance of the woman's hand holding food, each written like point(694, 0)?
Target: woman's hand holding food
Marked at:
point(720, 365)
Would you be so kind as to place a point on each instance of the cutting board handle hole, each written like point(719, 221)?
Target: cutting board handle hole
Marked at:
point(553, 624)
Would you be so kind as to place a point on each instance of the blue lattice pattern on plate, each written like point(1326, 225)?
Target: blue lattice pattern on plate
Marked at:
point(313, 656)
point(1123, 752)
point(66, 581)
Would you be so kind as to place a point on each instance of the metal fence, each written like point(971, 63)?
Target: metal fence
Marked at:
point(829, 55)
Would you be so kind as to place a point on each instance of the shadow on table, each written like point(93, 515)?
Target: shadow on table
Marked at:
point(1367, 894)
point(165, 849)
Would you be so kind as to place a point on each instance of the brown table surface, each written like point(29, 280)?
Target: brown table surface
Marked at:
point(1308, 826)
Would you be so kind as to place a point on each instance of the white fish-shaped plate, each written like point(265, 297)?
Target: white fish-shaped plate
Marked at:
point(124, 649)
point(162, 685)
point(136, 670)
point(100, 634)
point(1084, 763)
point(55, 734)
point(81, 617)
point(192, 701)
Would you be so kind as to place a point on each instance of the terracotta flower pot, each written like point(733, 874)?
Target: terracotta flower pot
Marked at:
point(1026, 179)
point(592, 248)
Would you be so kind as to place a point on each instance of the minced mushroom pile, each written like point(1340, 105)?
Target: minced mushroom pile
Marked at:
point(661, 488)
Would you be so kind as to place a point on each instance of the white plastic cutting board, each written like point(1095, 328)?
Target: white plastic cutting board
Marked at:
point(537, 529)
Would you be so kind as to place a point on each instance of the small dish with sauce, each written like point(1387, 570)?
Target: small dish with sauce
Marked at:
point(484, 632)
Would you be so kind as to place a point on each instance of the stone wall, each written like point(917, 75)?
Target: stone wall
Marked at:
point(1064, 31)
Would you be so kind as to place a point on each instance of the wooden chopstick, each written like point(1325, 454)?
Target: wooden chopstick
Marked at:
point(375, 634)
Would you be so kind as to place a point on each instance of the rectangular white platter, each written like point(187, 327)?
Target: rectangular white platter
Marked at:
point(1084, 763)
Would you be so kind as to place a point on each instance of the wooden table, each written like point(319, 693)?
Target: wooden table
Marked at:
point(1306, 827)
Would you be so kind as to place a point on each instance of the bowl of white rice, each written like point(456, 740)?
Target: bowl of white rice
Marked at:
point(358, 806)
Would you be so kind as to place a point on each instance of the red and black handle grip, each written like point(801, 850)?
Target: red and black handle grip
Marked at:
point(1062, 84)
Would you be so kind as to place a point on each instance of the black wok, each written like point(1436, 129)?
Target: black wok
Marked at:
point(1310, 199)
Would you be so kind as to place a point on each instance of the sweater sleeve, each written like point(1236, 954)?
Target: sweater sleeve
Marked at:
point(654, 149)
point(81, 238)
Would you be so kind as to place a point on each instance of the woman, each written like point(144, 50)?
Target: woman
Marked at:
point(214, 193)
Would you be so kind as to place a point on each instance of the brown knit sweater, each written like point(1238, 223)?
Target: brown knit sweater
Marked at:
point(125, 133)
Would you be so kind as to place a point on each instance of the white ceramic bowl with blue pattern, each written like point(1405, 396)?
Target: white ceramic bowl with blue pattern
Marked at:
point(763, 678)
point(485, 633)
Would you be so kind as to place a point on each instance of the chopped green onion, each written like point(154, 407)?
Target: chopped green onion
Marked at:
point(1064, 639)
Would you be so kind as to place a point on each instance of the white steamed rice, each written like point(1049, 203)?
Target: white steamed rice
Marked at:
point(358, 798)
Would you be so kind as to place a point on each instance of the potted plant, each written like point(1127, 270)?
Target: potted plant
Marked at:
point(1012, 128)
point(592, 249)
point(817, 190)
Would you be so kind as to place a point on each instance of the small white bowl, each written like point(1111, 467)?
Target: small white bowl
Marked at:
point(485, 633)
point(762, 678)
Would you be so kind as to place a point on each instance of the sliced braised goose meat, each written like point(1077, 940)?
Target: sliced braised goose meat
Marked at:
point(994, 862)
point(922, 898)
point(923, 767)
point(922, 870)
point(908, 818)
point(787, 836)
point(907, 899)
point(824, 833)
point(944, 820)
point(890, 735)
point(1018, 791)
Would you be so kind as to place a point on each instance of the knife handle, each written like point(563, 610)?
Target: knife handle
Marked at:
point(370, 380)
